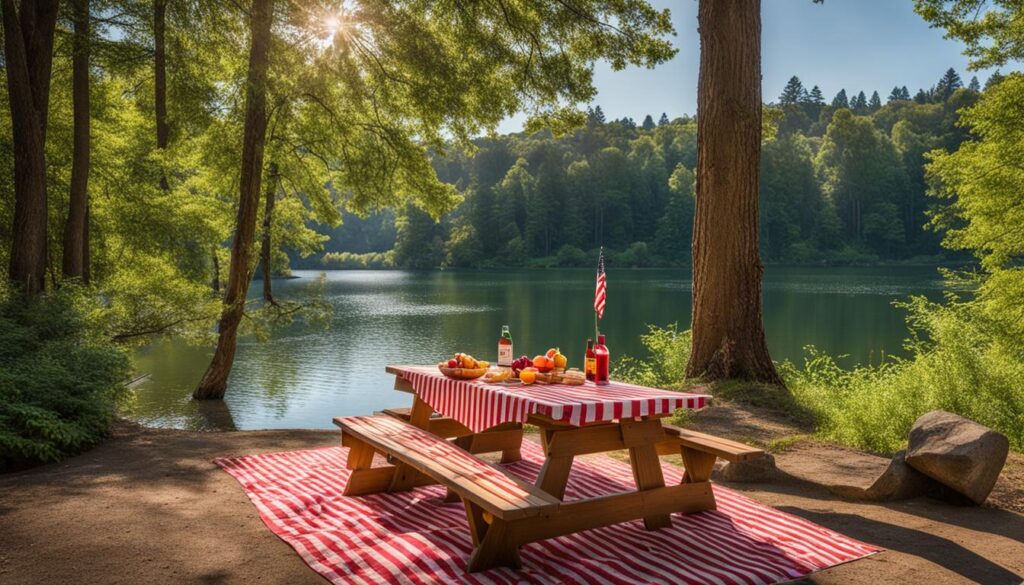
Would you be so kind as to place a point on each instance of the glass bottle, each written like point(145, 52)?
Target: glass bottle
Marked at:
point(601, 361)
point(505, 352)
point(588, 361)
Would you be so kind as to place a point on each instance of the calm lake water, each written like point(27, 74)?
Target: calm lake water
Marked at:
point(304, 376)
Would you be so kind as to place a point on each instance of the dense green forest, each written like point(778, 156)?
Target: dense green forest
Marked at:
point(842, 181)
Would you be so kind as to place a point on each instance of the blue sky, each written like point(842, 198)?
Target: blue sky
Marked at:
point(852, 44)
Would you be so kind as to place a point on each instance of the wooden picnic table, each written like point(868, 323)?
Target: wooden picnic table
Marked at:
point(503, 511)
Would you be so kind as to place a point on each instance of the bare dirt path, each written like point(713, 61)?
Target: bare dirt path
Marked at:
point(148, 506)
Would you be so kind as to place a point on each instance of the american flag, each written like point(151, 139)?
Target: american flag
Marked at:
point(600, 293)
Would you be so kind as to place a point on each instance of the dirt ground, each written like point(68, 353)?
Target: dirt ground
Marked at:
point(148, 506)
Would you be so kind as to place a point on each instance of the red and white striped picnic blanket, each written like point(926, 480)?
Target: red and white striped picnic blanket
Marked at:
point(414, 537)
point(480, 406)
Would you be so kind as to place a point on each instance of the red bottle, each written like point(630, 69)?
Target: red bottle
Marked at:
point(589, 361)
point(601, 360)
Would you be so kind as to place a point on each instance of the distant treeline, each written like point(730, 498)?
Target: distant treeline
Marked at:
point(842, 182)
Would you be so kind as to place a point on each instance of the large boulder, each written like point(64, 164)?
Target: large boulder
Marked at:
point(899, 481)
point(958, 453)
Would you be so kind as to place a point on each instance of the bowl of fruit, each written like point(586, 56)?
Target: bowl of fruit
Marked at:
point(463, 367)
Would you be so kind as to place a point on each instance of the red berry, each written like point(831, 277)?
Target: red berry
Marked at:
point(453, 364)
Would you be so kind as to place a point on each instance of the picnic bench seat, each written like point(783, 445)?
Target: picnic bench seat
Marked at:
point(494, 500)
point(506, 438)
point(699, 451)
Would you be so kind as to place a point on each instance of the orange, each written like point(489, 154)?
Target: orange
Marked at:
point(528, 376)
point(543, 362)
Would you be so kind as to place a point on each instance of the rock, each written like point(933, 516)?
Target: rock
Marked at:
point(899, 481)
point(755, 470)
point(958, 453)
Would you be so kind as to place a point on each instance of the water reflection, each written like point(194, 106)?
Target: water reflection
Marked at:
point(304, 376)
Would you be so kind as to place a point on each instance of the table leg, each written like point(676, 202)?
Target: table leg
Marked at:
point(554, 475)
point(647, 475)
point(406, 477)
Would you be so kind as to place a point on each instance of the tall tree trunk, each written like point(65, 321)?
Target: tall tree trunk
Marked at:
point(265, 248)
point(214, 381)
point(216, 271)
point(28, 58)
point(75, 241)
point(728, 330)
point(160, 78)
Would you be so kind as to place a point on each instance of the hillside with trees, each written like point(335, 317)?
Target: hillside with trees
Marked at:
point(842, 182)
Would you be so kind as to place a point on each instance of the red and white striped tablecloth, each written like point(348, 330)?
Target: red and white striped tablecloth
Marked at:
point(480, 406)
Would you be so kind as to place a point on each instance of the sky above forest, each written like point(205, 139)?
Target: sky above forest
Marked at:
point(841, 44)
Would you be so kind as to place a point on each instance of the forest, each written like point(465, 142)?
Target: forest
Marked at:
point(842, 182)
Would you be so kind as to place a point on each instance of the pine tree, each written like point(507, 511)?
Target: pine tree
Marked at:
point(793, 92)
point(904, 93)
point(948, 83)
point(859, 103)
point(895, 96)
point(815, 97)
point(840, 101)
point(595, 115)
point(648, 123)
point(876, 102)
point(994, 79)
point(922, 97)
point(663, 119)
point(974, 85)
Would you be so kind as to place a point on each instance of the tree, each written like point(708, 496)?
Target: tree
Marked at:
point(76, 240)
point(922, 97)
point(596, 115)
point(815, 97)
point(663, 120)
point(28, 58)
point(859, 104)
point(895, 95)
point(728, 329)
point(384, 101)
point(948, 83)
point(648, 123)
point(213, 385)
point(993, 79)
point(794, 91)
point(974, 85)
point(840, 101)
point(160, 78)
point(876, 102)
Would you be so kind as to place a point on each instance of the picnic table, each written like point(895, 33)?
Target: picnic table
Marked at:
point(503, 511)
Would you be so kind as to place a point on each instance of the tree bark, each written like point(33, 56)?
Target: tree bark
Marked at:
point(216, 271)
point(214, 382)
point(160, 78)
point(28, 58)
point(75, 242)
point(728, 329)
point(265, 248)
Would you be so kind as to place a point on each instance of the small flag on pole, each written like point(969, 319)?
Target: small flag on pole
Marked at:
point(600, 293)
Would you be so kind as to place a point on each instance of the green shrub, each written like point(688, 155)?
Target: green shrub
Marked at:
point(60, 377)
point(571, 256)
point(962, 363)
point(669, 350)
point(368, 260)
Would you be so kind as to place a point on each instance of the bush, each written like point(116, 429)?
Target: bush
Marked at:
point(369, 260)
point(571, 256)
point(60, 377)
point(964, 367)
point(669, 351)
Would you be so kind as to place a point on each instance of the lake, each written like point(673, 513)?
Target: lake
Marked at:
point(304, 375)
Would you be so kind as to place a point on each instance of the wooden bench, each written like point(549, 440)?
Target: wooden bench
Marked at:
point(699, 451)
point(506, 438)
point(496, 502)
